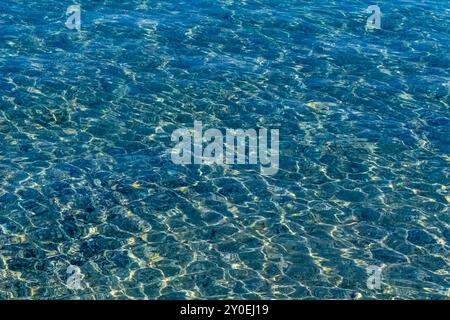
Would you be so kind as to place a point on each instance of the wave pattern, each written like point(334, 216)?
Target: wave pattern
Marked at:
point(86, 175)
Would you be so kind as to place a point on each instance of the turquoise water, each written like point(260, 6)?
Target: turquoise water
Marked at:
point(85, 136)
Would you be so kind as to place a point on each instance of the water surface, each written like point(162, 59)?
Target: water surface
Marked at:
point(86, 175)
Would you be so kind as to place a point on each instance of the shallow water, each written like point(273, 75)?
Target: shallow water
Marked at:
point(85, 135)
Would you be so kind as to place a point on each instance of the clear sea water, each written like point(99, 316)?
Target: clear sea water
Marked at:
point(87, 180)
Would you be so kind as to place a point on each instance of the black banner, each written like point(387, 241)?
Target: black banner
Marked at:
point(227, 309)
